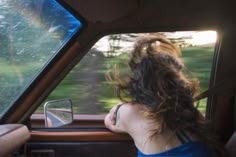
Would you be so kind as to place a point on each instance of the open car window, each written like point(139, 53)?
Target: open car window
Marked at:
point(86, 84)
point(31, 33)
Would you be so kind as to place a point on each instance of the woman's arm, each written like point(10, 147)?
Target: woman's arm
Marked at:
point(116, 119)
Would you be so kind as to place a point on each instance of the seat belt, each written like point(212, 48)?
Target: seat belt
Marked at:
point(223, 85)
point(235, 110)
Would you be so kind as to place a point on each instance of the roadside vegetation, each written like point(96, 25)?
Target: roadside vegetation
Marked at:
point(90, 93)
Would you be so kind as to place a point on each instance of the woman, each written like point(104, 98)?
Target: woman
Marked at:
point(157, 108)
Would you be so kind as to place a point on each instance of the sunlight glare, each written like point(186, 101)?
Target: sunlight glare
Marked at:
point(205, 37)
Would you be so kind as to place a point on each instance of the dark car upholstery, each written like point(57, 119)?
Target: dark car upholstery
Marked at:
point(231, 145)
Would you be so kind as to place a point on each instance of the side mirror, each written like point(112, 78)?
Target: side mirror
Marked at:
point(58, 113)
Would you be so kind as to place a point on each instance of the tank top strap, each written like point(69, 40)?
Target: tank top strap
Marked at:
point(116, 111)
point(183, 137)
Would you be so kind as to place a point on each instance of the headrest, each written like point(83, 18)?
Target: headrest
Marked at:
point(231, 145)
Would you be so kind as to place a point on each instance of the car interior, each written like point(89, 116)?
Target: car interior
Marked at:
point(88, 135)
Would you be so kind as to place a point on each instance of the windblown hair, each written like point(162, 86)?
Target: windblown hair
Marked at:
point(157, 81)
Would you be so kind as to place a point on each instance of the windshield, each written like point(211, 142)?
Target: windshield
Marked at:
point(31, 33)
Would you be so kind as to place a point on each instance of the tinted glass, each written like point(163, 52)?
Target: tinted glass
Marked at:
point(31, 33)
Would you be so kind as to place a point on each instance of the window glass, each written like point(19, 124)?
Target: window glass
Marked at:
point(31, 33)
point(91, 94)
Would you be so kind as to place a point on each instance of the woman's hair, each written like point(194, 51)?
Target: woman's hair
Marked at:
point(157, 80)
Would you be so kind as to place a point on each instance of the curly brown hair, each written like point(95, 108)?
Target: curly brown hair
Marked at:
point(157, 81)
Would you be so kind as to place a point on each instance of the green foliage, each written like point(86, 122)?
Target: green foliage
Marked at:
point(12, 80)
point(96, 96)
point(198, 61)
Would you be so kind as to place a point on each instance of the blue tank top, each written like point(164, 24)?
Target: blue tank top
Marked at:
point(188, 148)
point(191, 149)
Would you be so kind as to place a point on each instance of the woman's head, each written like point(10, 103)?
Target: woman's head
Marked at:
point(156, 80)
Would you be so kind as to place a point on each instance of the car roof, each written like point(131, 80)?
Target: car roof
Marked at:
point(150, 13)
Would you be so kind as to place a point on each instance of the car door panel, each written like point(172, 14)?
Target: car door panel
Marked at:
point(80, 149)
point(79, 143)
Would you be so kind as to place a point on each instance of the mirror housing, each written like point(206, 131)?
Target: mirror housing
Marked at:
point(58, 113)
